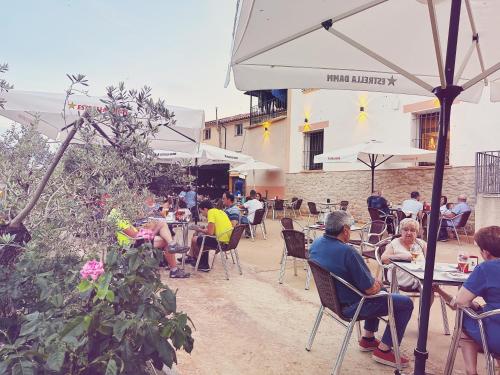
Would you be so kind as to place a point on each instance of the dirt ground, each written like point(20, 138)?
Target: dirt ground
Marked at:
point(250, 324)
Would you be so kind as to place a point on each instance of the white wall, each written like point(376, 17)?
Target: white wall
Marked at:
point(474, 127)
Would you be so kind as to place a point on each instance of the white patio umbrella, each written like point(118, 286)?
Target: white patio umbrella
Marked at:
point(393, 46)
point(255, 166)
point(374, 153)
point(26, 106)
point(206, 154)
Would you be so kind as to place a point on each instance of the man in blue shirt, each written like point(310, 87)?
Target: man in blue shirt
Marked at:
point(460, 208)
point(334, 254)
point(376, 200)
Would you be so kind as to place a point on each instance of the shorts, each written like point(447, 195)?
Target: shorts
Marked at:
point(210, 243)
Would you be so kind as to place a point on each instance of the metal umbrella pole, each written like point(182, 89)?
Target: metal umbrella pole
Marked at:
point(446, 96)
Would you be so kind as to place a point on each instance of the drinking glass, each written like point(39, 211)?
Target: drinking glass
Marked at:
point(415, 251)
point(463, 261)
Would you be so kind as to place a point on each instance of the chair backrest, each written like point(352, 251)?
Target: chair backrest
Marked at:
point(327, 290)
point(235, 237)
point(295, 243)
point(343, 205)
point(377, 229)
point(287, 223)
point(463, 219)
point(297, 204)
point(294, 199)
point(279, 205)
point(258, 216)
point(375, 213)
point(312, 208)
point(400, 215)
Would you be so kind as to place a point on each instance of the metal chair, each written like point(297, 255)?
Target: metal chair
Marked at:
point(489, 356)
point(295, 207)
point(464, 217)
point(327, 290)
point(379, 249)
point(370, 233)
point(313, 210)
point(258, 219)
point(279, 205)
point(376, 214)
point(295, 247)
point(223, 248)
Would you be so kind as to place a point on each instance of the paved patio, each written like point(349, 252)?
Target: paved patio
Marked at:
point(253, 325)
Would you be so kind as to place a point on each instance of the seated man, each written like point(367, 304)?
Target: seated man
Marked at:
point(232, 211)
point(252, 205)
point(376, 200)
point(156, 231)
point(459, 208)
point(333, 253)
point(413, 205)
point(218, 225)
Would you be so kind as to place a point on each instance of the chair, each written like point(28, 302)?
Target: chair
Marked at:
point(224, 248)
point(376, 214)
point(343, 205)
point(371, 233)
point(327, 290)
point(464, 217)
point(295, 247)
point(295, 206)
point(313, 210)
point(379, 249)
point(399, 216)
point(289, 223)
point(279, 205)
point(489, 356)
point(258, 219)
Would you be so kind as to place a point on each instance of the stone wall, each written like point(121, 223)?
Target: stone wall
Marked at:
point(396, 184)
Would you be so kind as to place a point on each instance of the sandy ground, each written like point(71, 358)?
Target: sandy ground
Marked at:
point(253, 325)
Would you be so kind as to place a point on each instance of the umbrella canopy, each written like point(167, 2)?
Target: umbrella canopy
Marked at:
point(206, 154)
point(374, 153)
point(255, 166)
point(446, 48)
point(26, 106)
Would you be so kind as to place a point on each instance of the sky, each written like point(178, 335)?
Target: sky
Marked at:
point(180, 48)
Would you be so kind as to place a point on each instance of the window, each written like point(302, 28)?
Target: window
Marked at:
point(238, 129)
point(427, 134)
point(207, 134)
point(313, 145)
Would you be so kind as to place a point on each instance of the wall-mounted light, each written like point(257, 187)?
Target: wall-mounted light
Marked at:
point(306, 127)
point(266, 125)
point(361, 109)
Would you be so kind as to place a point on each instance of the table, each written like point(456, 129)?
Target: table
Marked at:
point(328, 205)
point(441, 274)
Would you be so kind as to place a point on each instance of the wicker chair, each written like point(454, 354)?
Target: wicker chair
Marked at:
point(464, 217)
point(279, 205)
point(258, 220)
point(313, 210)
point(326, 284)
point(224, 248)
point(489, 356)
point(376, 214)
point(371, 233)
point(295, 247)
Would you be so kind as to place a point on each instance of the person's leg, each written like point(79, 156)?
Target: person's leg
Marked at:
point(469, 350)
point(403, 308)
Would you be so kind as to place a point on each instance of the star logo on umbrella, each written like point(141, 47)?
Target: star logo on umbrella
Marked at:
point(391, 81)
point(71, 105)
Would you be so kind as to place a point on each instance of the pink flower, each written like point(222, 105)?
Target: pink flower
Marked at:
point(92, 268)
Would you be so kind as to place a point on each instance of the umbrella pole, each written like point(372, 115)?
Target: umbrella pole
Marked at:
point(373, 177)
point(446, 97)
point(196, 211)
point(253, 172)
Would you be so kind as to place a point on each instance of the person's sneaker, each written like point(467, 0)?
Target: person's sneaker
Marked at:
point(388, 359)
point(368, 345)
point(179, 274)
point(203, 268)
point(177, 248)
point(187, 258)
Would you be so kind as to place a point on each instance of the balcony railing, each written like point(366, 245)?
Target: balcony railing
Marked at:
point(267, 111)
point(488, 172)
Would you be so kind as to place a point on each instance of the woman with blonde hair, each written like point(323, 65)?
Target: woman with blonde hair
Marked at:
point(401, 248)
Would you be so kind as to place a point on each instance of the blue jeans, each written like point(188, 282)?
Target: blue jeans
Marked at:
point(377, 307)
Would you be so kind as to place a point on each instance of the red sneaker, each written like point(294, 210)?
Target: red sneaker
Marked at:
point(368, 345)
point(388, 358)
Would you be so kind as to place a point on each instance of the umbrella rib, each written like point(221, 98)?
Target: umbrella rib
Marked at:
point(381, 59)
point(481, 76)
point(180, 133)
point(437, 43)
point(364, 162)
point(466, 60)
point(475, 37)
point(307, 31)
point(383, 161)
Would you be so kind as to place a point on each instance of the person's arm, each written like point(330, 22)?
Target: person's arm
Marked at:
point(388, 254)
point(464, 298)
point(375, 288)
point(130, 231)
point(363, 279)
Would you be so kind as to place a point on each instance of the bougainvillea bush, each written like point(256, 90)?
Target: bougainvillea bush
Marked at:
point(91, 317)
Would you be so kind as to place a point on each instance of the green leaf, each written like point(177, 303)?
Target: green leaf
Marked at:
point(57, 300)
point(120, 328)
point(23, 368)
point(168, 300)
point(29, 328)
point(84, 286)
point(104, 280)
point(86, 321)
point(55, 359)
point(134, 262)
point(166, 353)
point(74, 328)
point(111, 367)
point(111, 257)
point(110, 296)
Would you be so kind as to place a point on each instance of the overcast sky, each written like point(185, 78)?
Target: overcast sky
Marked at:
point(180, 48)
